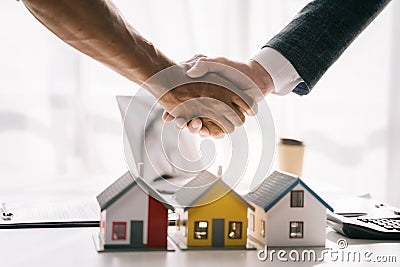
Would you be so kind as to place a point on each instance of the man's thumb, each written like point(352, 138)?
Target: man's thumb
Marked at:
point(200, 68)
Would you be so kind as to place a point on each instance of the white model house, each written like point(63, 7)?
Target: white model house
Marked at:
point(287, 213)
point(134, 216)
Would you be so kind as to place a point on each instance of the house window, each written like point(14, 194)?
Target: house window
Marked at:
point(297, 199)
point(262, 232)
point(235, 230)
point(296, 229)
point(119, 231)
point(201, 230)
point(251, 222)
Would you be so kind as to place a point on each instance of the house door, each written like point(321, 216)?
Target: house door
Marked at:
point(137, 233)
point(218, 232)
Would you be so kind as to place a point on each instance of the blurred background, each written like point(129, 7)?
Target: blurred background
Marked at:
point(60, 124)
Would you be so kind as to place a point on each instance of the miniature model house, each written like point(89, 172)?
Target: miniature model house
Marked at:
point(210, 214)
point(287, 213)
point(133, 216)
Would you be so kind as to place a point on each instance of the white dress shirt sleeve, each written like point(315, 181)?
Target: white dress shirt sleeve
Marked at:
point(282, 72)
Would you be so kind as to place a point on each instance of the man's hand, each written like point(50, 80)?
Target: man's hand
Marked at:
point(218, 110)
point(255, 81)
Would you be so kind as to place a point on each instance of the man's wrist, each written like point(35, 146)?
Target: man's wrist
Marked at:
point(165, 80)
point(282, 72)
point(261, 78)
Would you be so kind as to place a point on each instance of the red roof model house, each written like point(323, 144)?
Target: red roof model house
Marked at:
point(134, 216)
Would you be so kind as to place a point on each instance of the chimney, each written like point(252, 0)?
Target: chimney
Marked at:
point(219, 174)
point(141, 169)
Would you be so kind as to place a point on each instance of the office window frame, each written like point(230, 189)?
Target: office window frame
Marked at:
point(295, 201)
point(297, 231)
point(237, 225)
point(198, 229)
point(118, 231)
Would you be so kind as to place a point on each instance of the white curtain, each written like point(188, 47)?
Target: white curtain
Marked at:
point(59, 118)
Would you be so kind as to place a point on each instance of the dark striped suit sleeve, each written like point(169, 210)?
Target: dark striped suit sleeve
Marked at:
point(319, 34)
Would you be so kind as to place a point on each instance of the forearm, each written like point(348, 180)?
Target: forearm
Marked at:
point(98, 29)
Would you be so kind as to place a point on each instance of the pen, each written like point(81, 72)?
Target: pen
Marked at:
point(5, 214)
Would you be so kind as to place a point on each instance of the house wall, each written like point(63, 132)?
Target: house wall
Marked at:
point(313, 214)
point(102, 232)
point(227, 207)
point(259, 214)
point(158, 224)
point(131, 206)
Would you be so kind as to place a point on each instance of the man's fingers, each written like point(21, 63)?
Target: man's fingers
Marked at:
point(204, 127)
point(223, 125)
point(193, 59)
point(249, 106)
point(204, 65)
point(214, 130)
point(166, 117)
point(204, 132)
point(195, 125)
point(198, 69)
point(180, 123)
point(236, 119)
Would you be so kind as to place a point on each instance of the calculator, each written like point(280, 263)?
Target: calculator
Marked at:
point(365, 227)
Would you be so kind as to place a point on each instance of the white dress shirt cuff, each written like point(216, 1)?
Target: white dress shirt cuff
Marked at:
point(282, 72)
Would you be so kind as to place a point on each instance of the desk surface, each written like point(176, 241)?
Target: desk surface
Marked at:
point(74, 247)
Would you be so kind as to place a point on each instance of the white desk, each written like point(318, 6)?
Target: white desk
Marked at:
point(74, 247)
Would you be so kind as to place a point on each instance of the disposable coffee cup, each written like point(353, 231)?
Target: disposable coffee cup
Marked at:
point(290, 156)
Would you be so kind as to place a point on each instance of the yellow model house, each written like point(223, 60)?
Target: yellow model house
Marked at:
point(210, 214)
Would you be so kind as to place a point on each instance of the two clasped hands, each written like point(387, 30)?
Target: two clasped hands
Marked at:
point(214, 110)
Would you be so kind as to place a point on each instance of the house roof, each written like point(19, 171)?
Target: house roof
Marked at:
point(121, 186)
point(275, 187)
point(193, 191)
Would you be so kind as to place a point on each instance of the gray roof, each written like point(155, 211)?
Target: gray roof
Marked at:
point(191, 193)
point(121, 186)
point(275, 187)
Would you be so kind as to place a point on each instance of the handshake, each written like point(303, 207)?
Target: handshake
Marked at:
point(215, 94)
point(217, 97)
